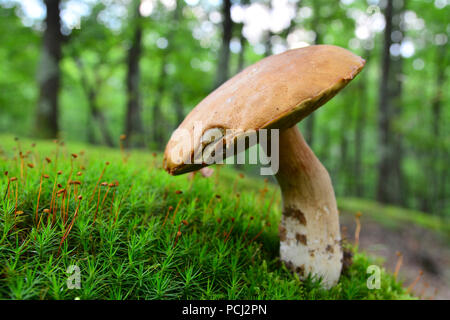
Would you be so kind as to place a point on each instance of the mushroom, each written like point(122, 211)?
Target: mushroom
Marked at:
point(276, 93)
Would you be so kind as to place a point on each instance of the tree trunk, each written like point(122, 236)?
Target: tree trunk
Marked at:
point(46, 125)
point(344, 165)
point(311, 119)
point(440, 83)
point(157, 128)
point(359, 130)
point(96, 114)
point(390, 180)
point(268, 44)
point(224, 55)
point(443, 185)
point(177, 101)
point(243, 43)
point(158, 120)
point(100, 117)
point(437, 183)
point(133, 124)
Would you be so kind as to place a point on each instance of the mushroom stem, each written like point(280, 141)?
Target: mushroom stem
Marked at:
point(310, 240)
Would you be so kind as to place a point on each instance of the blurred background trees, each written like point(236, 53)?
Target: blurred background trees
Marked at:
point(91, 70)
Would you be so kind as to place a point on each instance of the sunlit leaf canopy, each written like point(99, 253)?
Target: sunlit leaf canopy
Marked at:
point(257, 17)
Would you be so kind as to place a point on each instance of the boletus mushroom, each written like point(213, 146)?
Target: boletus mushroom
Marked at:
point(276, 93)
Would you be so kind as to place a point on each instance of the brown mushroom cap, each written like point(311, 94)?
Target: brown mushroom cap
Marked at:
point(276, 92)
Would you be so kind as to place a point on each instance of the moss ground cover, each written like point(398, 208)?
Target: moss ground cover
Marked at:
point(135, 232)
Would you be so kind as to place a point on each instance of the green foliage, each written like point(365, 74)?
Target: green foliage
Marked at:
point(132, 250)
point(189, 60)
point(18, 90)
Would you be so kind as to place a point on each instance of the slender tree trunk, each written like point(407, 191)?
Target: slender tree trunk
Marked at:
point(177, 100)
point(444, 183)
point(94, 110)
point(311, 119)
point(100, 118)
point(90, 97)
point(243, 43)
point(158, 120)
point(436, 183)
point(440, 84)
point(384, 189)
point(268, 44)
point(46, 125)
point(90, 132)
point(102, 125)
point(361, 119)
point(133, 123)
point(158, 132)
point(224, 55)
point(390, 180)
point(344, 165)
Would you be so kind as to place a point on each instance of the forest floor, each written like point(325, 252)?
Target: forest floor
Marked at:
point(422, 249)
point(142, 234)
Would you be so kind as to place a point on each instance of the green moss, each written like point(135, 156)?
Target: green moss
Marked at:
point(129, 254)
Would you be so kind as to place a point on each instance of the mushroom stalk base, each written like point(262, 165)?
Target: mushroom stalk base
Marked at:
point(310, 240)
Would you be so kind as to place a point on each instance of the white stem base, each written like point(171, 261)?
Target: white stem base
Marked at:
point(310, 240)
